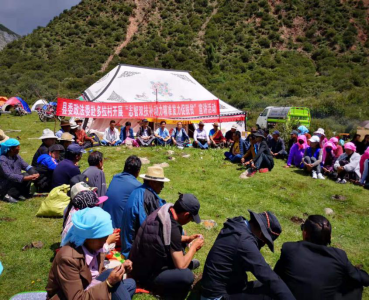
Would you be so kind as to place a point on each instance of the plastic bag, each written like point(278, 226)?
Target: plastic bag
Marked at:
point(55, 203)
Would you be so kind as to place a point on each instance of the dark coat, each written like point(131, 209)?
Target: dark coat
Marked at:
point(263, 148)
point(140, 131)
point(316, 272)
point(234, 253)
point(41, 150)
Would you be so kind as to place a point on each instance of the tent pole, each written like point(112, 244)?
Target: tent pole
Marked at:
point(156, 96)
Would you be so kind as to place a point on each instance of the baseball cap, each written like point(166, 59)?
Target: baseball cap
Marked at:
point(314, 139)
point(145, 120)
point(277, 132)
point(234, 126)
point(294, 132)
point(75, 148)
point(190, 204)
point(56, 147)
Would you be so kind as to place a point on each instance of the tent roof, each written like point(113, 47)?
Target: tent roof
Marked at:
point(126, 83)
point(38, 103)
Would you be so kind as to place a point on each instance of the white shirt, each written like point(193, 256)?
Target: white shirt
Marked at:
point(111, 136)
point(200, 134)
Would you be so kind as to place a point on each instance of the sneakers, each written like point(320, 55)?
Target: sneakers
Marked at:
point(343, 181)
point(338, 180)
point(251, 172)
point(264, 170)
point(9, 199)
point(320, 176)
point(194, 264)
point(314, 175)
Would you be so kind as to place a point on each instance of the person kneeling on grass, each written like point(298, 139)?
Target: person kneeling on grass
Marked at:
point(160, 263)
point(111, 136)
point(14, 185)
point(297, 152)
point(313, 157)
point(237, 251)
point(238, 148)
point(263, 160)
point(78, 270)
point(348, 165)
point(313, 270)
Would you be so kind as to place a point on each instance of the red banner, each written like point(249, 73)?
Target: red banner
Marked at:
point(137, 110)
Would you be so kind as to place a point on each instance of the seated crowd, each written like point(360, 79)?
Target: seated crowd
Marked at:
point(132, 218)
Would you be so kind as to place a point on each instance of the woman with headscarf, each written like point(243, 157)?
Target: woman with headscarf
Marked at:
point(339, 150)
point(14, 185)
point(304, 131)
point(348, 165)
point(297, 152)
point(329, 158)
point(78, 271)
point(313, 157)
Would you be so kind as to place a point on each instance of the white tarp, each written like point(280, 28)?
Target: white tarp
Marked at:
point(38, 104)
point(127, 83)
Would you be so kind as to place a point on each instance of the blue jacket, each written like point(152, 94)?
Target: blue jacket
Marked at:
point(118, 192)
point(123, 135)
point(185, 136)
point(142, 202)
point(48, 161)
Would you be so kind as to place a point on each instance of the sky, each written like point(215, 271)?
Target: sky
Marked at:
point(22, 16)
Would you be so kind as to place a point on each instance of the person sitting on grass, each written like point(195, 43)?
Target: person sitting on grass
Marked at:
point(356, 141)
point(46, 164)
point(297, 152)
point(313, 270)
point(229, 135)
point(216, 137)
point(68, 168)
point(364, 145)
point(200, 137)
point(313, 157)
point(3, 136)
point(263, 160)
point(276, 145)
point(293, 140)
point(111, 136)
point(78, 267)
point(238, 149)
point(82, 138)
point(235, 252)
point(160, 263)
point(364, 167)
point(304, 131)
point(339, 150)
point(348, 165)
point(65, 140)
point(127, 135)
point(145, 136)
point(65, 127)
point(329, 158)
point(251, 152)
point(162, 136)
point(14, 185)
point(95, 172)
point(48, 139)
point(180, 137)
point(142, 202)
point(321, 134)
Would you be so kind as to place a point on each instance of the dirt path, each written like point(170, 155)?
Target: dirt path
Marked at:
point(135, 20)
point(200, 35)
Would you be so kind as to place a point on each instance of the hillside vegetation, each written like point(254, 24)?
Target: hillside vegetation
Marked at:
point(6, 36)
point(250, 53)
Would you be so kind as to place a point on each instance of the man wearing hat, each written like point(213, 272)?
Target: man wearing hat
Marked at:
point(67, 168)
point(160, 264)
point(229, 135)
point(3, 137)
point(46, 164)
point(48, 139)
point(200, 137)
point(263, 160)
point(216, 137)
point(65, 140)
point(294, 134)
point(145, 135)
point(142, 202)
point(237, 251)
point(238, 148)
point(276, 145)
point(82, 138)
point(65, 127)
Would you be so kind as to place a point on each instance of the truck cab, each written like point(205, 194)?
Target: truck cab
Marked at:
point(273, 115)
point(262, 121)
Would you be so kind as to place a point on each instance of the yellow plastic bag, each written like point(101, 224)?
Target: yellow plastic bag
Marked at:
point(55, 202)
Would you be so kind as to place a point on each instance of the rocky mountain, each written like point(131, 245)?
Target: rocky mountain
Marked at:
point(6, 36)
point(251, 53)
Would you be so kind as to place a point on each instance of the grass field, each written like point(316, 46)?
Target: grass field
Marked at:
point(215, 182)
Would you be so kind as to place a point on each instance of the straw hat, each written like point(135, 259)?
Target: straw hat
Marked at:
point(66, 136)
point(47, 134)
point(155, 174)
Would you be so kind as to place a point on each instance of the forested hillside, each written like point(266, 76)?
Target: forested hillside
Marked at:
point(250, 53)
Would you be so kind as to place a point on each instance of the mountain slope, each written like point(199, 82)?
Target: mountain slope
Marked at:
point(250, 53)
point(6, 36)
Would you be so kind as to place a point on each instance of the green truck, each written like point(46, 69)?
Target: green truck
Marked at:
point(272, 115)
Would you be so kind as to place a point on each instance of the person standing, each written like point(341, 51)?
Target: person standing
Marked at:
point(180, 137)
point(162, 136)
point(237, 251)
point(111, 136)
point(95, 172)
point(145, 136)
point(14, 185)
point(120, 188)
point(201, 138)
point(160, 263)
point(48, 139)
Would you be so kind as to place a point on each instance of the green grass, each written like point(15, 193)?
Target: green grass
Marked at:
point(216, 183)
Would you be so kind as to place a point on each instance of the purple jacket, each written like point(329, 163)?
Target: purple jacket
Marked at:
point(295, 156)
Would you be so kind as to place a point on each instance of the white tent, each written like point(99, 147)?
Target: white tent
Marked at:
point(38, 104)
point(127, 83)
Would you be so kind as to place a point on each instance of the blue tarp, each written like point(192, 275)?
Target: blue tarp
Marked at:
point(24, 104)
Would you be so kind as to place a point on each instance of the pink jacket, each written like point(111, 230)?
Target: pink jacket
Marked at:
point(364, 157)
